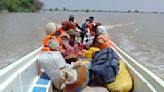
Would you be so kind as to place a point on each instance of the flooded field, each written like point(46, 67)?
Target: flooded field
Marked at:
point(140, 35)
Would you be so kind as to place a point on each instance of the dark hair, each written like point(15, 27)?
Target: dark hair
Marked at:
point(71, 16)
point(91, 17)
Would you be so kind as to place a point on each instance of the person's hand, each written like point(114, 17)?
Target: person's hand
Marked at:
point(77, 64)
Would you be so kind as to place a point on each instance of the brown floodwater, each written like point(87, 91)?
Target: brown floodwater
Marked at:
point(140, 35)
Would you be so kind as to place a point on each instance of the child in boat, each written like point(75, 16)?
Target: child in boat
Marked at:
point(69, 53)
point(74, 40)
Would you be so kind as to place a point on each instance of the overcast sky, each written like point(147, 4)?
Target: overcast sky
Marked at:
point(122, 5)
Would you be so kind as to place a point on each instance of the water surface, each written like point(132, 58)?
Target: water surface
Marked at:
point(140, 35)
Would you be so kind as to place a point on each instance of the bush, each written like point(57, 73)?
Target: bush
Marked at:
point(20, 5)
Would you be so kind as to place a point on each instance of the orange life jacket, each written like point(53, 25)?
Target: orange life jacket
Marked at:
point(90, 26)
point(106, 42)
point(60, 40)
point(81, 81)
point(46, 49)
point(60, 30)
point(73, 26)
point(46, 40)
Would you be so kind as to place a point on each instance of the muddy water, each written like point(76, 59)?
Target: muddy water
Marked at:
point(140, 35)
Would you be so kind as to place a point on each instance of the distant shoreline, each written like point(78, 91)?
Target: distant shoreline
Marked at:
point(87, 11)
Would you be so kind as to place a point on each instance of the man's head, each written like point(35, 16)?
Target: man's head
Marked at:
point(65, 25)
point(101, 30)
point(91, 18)
point(71, 18)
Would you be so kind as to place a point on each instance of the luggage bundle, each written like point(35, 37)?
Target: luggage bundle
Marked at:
point(108, 70)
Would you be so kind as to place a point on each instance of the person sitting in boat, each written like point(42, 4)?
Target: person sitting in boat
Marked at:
point(75, 40)
point(101, 39)
point(70, 52)
point(88, 39)
point(64, 28)
point(50, 31)
point(73, 24)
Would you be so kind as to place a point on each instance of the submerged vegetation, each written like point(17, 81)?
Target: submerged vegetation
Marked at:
point(21, 5)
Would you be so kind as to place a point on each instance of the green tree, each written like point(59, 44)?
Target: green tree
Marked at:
point(136, 11)
point(64, 9)
point(87, 10)
point(21, 5)
point(2, 5)
point(129, 11)
point(38, 4)
point(56, 9)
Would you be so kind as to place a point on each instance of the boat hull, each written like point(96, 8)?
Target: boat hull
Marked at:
point(21, 75)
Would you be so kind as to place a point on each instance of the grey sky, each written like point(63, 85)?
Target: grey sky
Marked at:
point(123, 5)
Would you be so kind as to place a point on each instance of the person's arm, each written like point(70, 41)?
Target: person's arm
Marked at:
point(79, 27)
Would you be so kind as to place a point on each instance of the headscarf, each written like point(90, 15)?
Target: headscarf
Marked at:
point(101, 30)
point(51, 28)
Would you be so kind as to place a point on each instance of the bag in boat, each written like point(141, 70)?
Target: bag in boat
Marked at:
point(123, 81)
point(52, 62)
point(104, 67)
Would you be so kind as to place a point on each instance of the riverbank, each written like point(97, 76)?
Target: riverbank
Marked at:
point(20, 5)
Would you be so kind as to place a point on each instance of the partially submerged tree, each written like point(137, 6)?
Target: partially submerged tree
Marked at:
point(38, 4)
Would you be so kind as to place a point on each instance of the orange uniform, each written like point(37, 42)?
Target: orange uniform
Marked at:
point(73, 25)
point(90, 26)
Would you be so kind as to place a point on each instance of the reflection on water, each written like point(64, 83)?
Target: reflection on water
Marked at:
point(140, 35)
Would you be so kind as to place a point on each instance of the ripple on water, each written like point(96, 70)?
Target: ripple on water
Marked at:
point(150, 58)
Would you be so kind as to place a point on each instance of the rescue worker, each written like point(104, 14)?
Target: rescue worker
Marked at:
point(91, 25)
point(101, 39)
point(73, 24)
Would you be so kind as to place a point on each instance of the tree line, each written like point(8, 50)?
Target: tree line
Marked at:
point(21, 5)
